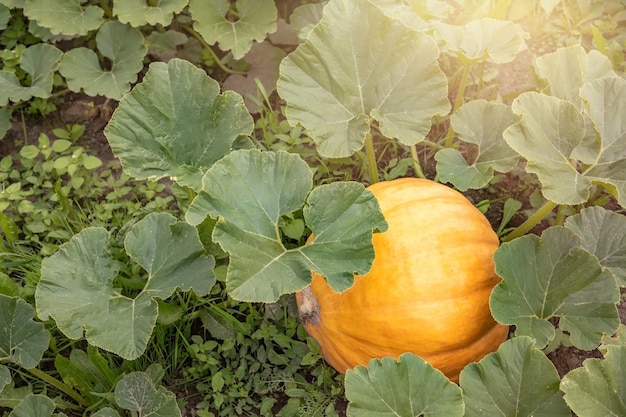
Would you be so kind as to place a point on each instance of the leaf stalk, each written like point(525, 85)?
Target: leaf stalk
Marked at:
point(416, 163)
point(206, 46)
point(372, 165)
point(531, 222)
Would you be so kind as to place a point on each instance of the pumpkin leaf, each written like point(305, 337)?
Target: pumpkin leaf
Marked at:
point(137, 392)
point(406, 387)
point(106, 412)
point(567, 69)
point(606, 104)
point(517, 380)
point(22, 340)
point(617, 339)
point(40, 61)
point(305, 17)
point(249, 191)
point(255, 19)
point(553, 276)
point(342, 79)
point(5, 377)
point(5, 120)
point(481, 123)
point(598, 388)
point(123, 45)
point(593, 225)
point(552, 136)
point(139, 13)
point(176, 124)
point(5, 16)
point(79, 282)
point(66, 17)
point(497, 41)
point(34, 406)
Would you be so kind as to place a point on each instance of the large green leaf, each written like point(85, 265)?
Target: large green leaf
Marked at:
point(123, 45)
point(5, 120)
point(5, 16)
point(22, 340)
point(249, 191)
point(598, 388)
point(518, 380)
point(481, 123)
point(34, 406)
point(138, 393)
point(488, 39)
point(213, 20)
point(5, 377)
point(603, 233)
point(552, 136)
point(305, 17)
point(358, 66)
point(176, 124)
point(567, 69)
point(139, 12)
point(40, 61)
point(106, 412)
point(78, 285)
point(550, 277)
point(406, 387)
point(66, 17)
point(605, 100)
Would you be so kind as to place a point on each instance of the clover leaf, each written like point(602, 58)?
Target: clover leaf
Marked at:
point(67, 17)
point(481, 123)
point(176, 124)
point(214, 21)
point(553, 276)
point(120, 43)
point(79, 283)
point(344, 78)
point(249, 191)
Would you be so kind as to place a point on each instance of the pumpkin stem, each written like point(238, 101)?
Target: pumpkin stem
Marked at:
point(309, 309)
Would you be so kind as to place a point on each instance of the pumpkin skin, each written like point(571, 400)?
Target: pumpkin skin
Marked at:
point(427, 291)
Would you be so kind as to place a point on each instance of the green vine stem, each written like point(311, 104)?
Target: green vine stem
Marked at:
point(371, 158)
point(458, 101)
point(531, 222)
point(206, 46)
point(416, 163)
point(58, 385)
point(104, 5)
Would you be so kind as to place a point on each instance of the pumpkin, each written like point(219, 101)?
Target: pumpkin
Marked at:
point(427, 291)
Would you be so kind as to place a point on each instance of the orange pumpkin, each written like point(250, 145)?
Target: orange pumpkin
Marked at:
point(428, 289)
